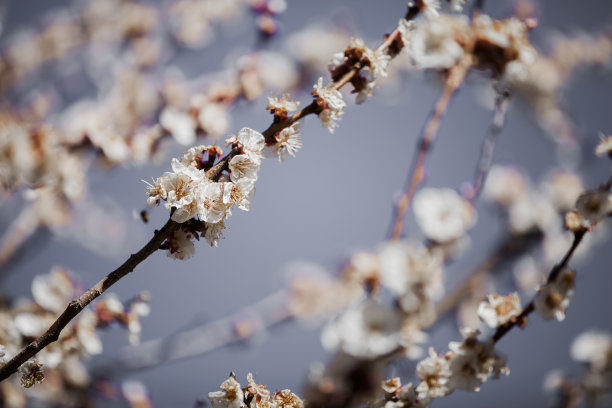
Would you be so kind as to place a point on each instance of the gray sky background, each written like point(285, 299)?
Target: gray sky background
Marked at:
point(328, 202)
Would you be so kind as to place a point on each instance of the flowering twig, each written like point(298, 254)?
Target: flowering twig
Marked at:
point(76, 306)
point(521, 318)
point(454, 79)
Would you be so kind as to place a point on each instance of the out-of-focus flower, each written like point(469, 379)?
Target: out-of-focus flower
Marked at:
point(605, 145)
point(595, 348)
point(367, 330)
point(499, 309)
point(435, 374)
point(442, 214)
point(554, 297)
point(54, 290)
point(434, 42)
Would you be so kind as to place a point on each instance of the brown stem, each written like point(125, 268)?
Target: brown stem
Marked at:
point(455, 78)
point(488, 145)
point(521, 318)
point(76, 306)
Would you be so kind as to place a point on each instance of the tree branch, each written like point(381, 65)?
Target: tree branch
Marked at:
point(521, 318)
point(455, 78)
point(76, 306)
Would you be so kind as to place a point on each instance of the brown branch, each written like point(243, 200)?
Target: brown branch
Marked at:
point(488, 145)
point(522, 318)
point(76, 306)
point(455, 78)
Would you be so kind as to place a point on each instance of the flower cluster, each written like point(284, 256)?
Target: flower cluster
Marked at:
point(331, 104)
point(412, 274)
point(498, 309)
point(469, 364)
point(189, 192)
point(554, 297)
point(253, 395)
point(466, 366)
point(287, 141)
point(373, 63)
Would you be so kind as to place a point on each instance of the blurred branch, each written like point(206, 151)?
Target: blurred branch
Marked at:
point(242, 326)
point(76, 306)
point(488, 146)
point(454, 79)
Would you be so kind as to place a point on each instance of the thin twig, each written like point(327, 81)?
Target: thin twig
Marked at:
point(521, 318)
point(488, 146)
point(76, 306)
point(455, 78)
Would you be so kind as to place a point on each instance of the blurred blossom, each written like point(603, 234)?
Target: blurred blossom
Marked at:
point(443, 214)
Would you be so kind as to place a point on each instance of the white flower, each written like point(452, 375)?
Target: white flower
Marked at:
point(54, 290)
point(281, 107)
point(30, 324)
point(414, 274)
point(252, 143)
point(238, 193)
point(435, 373)
point(553, 298)
point(505, 185)
point(605, 145)
point(287, 142)
point(564, 188)
point(593, 347)
point(499, 309)
point(433, 43)
point(210, 206)
point(86, 332)
point(330, 100)
point(287, 399)
point(180, 245)
point(257, 392)
point(230, 396)
point(213, 232)
point(473, 362)
point(367, 330)
point(213, 119)
point(405, 28)
point(181, 125)
point(442, 214)
point(241, 166)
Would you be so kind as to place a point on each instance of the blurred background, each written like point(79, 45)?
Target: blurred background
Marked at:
point(335, 197)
